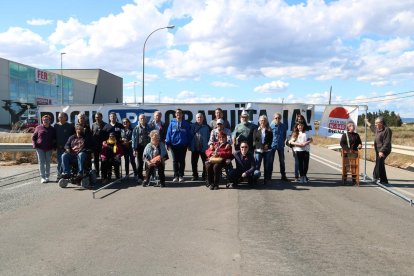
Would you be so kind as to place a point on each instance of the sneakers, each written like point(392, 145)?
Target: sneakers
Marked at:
point(195, 178)
point(175, 179)
point(139, 181)
point(43, 180)
point(144, 183)
point(181, 179)
point(284, 178)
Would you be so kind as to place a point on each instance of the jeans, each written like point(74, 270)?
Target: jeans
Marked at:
point(59, 153)
point(43, 158)
point(267, 163)
point(68, 158)
point(281, 155)
point(178, 154)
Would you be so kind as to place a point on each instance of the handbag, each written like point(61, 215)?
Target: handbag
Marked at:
point(215, 160)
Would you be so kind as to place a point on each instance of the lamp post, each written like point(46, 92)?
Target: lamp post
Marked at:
point(135, 93)
point(143, 58)
point(61, 76)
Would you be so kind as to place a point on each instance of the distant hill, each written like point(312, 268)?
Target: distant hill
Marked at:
point(407, 120)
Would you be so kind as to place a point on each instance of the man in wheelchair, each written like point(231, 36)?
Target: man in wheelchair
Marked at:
point(77, 156)
point(111, 154)
point(154, 157)
point(245, 166)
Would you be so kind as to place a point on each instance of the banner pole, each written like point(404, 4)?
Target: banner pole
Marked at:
point(365, 151)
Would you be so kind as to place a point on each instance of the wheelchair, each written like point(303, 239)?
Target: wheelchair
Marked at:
point(89, 174)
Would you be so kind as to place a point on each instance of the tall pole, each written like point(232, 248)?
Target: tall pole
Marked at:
point(143, 58)
point(135, 93)
point(61, 76)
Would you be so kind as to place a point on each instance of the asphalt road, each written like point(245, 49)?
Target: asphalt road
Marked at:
point(321, 228)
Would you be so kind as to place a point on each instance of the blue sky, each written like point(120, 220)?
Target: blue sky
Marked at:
point(227, 50)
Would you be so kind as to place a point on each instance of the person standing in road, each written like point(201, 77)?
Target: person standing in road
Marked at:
point(126, 139)
point(243, 131)
point(279, 131)
point(157, 124)
point(382, 145)
point(350, 143)
point(178, 140)
point(262, 141)
point(43, 140)
point(301, 141)
point(99, 135)
point(140, 138)
point(63, 131)
point(219, 115)
point(199, 144)
point(113, 126)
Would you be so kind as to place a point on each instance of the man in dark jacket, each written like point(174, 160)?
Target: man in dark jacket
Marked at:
point(99, 135)
point(76, 148)
point(245, 165)
point(382, 144)
point(63, 131)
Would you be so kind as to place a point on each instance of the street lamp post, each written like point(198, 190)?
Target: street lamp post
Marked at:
point(135, 93)
point(143, 58)
point(61, 76)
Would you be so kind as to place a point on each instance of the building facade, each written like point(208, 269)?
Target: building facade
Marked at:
point(23, 84)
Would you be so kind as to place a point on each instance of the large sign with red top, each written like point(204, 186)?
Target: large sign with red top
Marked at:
point(231, 111)
point(47, 77)
point(335, 118)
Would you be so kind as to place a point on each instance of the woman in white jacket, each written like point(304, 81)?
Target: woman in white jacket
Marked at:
point(302, 147)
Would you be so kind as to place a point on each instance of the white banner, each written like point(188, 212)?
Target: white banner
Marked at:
point(335, 118)
point(231, 111)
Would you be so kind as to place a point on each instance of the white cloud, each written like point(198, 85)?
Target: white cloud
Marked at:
point(223, 84)
point(272, 87)
point(39, 22)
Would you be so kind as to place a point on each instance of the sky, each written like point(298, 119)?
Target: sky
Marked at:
point(227, 50)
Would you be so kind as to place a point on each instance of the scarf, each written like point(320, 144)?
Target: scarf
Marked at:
point(112, 141)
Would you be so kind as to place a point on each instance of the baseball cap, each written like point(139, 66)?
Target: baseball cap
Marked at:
point(244, 114)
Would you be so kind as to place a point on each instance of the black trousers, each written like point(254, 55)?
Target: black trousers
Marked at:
point(140, 152)
point(150, 170)
point(379, 169)
point(214, 172)
point(303, 158)
point(107, 168)
point(129, 157)
point(96, 159)
point(195, 155)
point(178, 155)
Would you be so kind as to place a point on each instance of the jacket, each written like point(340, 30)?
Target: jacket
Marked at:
point(201, 135)
point(63, 132)
point(108, 153)
point(179, 134)
point(354, 141)
point(88, 145)
point(383, 138)
point(162, 130)
point(247, 165)
point(44, 138)
point(279, 135)
point(149, 150)
point(257, 139)
point(140, 136)
point(220, 151)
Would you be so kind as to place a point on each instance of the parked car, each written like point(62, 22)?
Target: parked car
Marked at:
point(31, 122)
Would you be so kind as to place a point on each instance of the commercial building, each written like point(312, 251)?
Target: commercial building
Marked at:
point(23, 84)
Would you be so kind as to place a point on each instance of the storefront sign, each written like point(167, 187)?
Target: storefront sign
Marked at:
point(47, 77)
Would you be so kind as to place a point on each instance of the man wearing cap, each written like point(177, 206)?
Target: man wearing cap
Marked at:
point(219, 115)
point(214, 133)
point(279, 130)
point(243, 131)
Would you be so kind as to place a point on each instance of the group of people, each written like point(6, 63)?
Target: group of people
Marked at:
point(146, 147)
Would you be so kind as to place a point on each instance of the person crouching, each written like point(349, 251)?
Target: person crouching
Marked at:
point(111, 153)
point(154, 157)
point(218, 153)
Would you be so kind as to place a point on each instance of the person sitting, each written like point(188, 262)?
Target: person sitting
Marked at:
point(111, 153)
point(76, 148)
point(154, 157)
point(245, 166)
point(218, 154)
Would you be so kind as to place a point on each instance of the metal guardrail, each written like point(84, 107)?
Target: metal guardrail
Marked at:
point(14, 147)
point(395, 148)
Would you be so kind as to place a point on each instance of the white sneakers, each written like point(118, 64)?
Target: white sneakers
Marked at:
point(178, 179)
point(181, 179)
point(175, 179)
point(44, 180)
point(303, 180)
